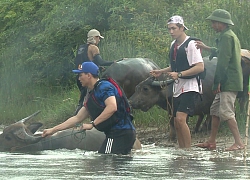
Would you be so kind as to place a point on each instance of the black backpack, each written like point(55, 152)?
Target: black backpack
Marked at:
point(201, 75)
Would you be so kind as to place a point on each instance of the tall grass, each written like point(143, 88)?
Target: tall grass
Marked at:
point(22, 96)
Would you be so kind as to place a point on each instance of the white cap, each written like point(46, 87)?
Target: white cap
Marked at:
point(93, 33)
point(177, 19)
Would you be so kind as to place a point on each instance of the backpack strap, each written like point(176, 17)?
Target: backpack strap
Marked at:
point(193, 38)
point(116, 85)
point(121, 93)
point(198, 78)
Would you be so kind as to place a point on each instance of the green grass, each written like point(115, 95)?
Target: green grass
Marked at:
point(55, 107)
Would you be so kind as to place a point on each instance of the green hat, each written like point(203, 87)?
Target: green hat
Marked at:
point(221, 15)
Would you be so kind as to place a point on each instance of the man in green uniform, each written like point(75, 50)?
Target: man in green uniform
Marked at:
point(228, 79)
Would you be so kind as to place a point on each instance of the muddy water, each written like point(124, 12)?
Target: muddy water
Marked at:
point(149, 163)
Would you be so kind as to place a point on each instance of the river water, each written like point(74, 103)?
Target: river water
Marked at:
point(151, 162)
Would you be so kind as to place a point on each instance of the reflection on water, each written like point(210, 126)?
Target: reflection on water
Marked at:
point(150, 163)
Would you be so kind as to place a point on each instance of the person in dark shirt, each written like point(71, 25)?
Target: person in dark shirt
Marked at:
point(108, 108)
point(86, 53)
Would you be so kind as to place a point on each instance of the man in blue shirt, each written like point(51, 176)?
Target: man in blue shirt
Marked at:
point(108, 108)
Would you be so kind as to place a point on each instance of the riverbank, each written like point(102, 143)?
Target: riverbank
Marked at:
point(160, 138)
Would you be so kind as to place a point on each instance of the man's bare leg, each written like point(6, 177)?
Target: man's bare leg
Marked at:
point(214, 129)
point(182, 130)
point(233, 126)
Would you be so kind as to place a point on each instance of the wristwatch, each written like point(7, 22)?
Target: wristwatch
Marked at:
point(93, 124)
point(179, 74)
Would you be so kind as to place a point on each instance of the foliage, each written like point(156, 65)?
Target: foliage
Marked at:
point(39, 38)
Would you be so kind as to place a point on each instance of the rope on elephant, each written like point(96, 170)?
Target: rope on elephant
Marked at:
point(79, 135)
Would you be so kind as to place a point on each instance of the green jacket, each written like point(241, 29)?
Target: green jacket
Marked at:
point(228, 70)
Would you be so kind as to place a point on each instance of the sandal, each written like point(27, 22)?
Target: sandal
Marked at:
point(235, 148)
point(209, 146)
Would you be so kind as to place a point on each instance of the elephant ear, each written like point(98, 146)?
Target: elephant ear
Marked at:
point(34, 127)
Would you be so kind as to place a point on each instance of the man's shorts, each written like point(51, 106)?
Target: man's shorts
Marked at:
point(223, 105)
point(185, 103)
point(118, 142)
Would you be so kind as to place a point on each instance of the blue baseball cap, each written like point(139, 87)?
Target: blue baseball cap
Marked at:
point(87, 67)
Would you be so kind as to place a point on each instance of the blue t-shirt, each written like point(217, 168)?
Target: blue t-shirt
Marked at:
point(104, 90)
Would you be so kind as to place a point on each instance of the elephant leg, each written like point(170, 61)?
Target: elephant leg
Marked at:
point(172, 133)
point(198, 124)
point(207, 124)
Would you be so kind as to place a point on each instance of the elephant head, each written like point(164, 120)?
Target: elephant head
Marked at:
point(19, 135)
